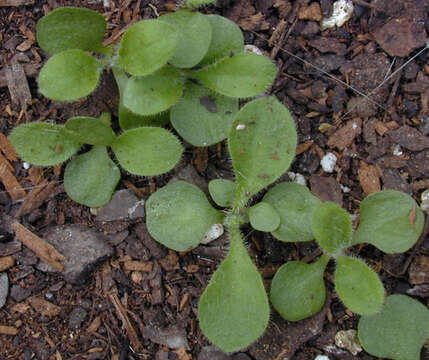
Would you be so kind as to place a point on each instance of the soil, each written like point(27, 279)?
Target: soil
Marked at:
point(141, 303)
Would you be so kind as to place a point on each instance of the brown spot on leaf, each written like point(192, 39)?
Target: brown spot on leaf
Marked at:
point(274, 157)
point(208, 103)
point(58, 148)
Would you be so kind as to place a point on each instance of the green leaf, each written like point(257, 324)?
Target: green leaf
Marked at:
point(153, 93)
point(179, 215)
point(398, 331)
point(240, 76)
point(295, 204)
point(194, 35)
point(69, 75)
point(91, 178)
point(233, 309)
point(222, 191)
point(198, 3)
point(332, 228)
point(264, 217)
point(43, 144)
point(128, 120)
point(358, 286)
point(390, 220)
point(71, 28)
point(87, 130)
point(202, 117)
point(227, 39)
point(147, 46)
point(262, 143)
point(298, 290)
point(147, 151)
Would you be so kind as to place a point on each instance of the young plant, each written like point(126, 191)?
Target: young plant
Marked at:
point(91, 178)
point(390, 220)
point(185, 67)
point(233, 310)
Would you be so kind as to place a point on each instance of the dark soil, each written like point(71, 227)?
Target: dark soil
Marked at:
point(142, 302)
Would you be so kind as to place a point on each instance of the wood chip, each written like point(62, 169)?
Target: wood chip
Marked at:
point(6, 262)
point(303, 147)
point(132, 265)
point(35, 175)
point(25, 45)
point(94, 326)
point(345, 136)
point(40, 247)
point(43, 307)
point(6, 163)
point(16, 2)
point(18, 85)
point(13, 187)
point(36, 198)
point(7, 148)
point(312, 12)
point(369, 178)
point(8, 330)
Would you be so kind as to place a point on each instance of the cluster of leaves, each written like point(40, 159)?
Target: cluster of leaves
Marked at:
point(91, 178)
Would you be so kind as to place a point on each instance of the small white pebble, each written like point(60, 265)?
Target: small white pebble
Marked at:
point(328, 162)
point(345, 189)
point(26, 165)
point(397, 151)
point(425, 200)
point(321, 357)
point(252, 49)
point(297, 177)
point(354, 126)
point(342, 12)
point(240, 127)
point(213, 233)
point(93, 211)
point(106, 3)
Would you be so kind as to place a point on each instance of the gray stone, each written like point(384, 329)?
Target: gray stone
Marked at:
point(82, 247)
point(124, 205)
point(212, 353)
point(18, 293)
point(4, 288)
point(76, 317)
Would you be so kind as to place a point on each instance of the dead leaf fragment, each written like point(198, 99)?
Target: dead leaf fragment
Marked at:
point(344, 137)
point(133, 265)
point(13, 187)
point(419, 270)
point(8, 330)
point(369, 178)
point(311, 12)
point(6, 262)
point(40, 247)
point(7, 148)
point(43, 307)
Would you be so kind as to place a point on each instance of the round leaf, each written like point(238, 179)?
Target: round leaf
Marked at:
point(147, 46)
point(298, 290)
point(198, 3)
point(240, 76)
point(332, 227)
point(262, 143)
point(153, 93)
point(358, 286)
point(128, 120)
point(227, 38)
point(264, 217)
point(194, 35)
point(398, 331)
point(222, 191)
point(69, 75)
point(43, 144)
point(202, 117)
point(390, 220)
point(71, 28)
point(147, 151)
point(91, 178)
point(233, 309)
point(87, 130)
point(295, 204)
point(179, 215)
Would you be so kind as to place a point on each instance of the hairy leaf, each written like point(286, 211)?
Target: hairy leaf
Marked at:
point(153, 93)
point(358, 286)
point(69, 75)
point(179, 215)
point(43, 144)
point(227, 39)
point(390, 220)
point(298, 290)
point(147, 46)
point(147, 151)
point(233, 309)
point(194, 35)
point(398, 331)
point(91, 178)
point(264, 217)
point(87, 130)
point(332, 227)
point(71, 28)
point(242, 75)
point(295, 204)
point(203, 117)
point(222, 191)
point(262, 143)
